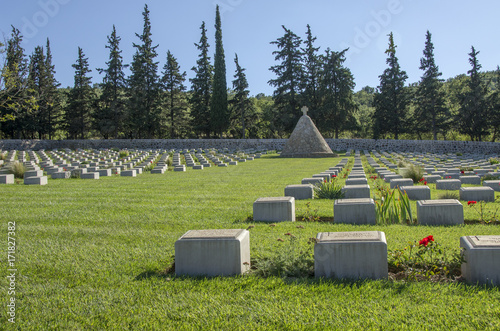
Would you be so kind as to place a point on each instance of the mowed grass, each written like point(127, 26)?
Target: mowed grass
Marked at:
point(94, 255)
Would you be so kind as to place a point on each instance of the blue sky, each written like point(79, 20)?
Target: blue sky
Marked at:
point(250, 25)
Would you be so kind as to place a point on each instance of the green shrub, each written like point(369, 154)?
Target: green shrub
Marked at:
point(123, 154)
point(414, 172)
point(494, 161)
point(17, 168)
point(289, 260)
point(459, 154)
point(329, 190)
point(449, 195)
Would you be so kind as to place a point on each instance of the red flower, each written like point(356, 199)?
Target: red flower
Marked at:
point(425, 183)
point(463, 172)
point(334, 176)
point(421, 180)
point(471, 203)
point(426, 241)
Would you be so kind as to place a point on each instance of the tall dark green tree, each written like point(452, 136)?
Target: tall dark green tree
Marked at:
point(431, 114)
point(312, 68)
point(243, 109)
point(473, 114)
point(289, 80)
point(15, 102)
point(176, 105)
point(337, 94)
point(144, 109)
point(52, 95)
point(35, 122)
point(81, 100)
point(219, 114)
point(110, 114)
point(391, 99)
point(494, 105)
point(201, 87)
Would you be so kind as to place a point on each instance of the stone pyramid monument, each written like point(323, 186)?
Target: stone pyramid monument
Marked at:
point(306, 140)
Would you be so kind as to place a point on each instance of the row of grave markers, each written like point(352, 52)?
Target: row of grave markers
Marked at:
point(341, 255)
point(96, 164)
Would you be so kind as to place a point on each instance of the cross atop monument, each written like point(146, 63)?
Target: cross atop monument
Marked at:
point(305, 110)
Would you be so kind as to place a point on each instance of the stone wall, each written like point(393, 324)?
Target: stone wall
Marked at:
point(259, 144)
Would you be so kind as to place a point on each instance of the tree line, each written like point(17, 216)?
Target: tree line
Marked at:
point(157, 104)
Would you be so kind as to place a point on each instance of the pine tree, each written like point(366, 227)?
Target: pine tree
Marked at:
point(37, 85)
point(219, 114)
point(52, 98)
point(431, 113)
point(312, 67)
point(494, 106)
point(391, 98)
point(473, 113)
point(110, 116)
point(15, 101)
point(337, 95)
point(144, 110)
point(243, 109)
point(176, 104)
point(289, 80)
point(80, 99)
point(201, 87)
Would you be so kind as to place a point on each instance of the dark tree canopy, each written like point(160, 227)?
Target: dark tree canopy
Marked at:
point(289, 80)
point(219, 114)
point(391, 99)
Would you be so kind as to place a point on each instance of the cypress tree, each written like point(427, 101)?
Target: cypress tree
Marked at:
point(243, 109)
point(201, 87)
point(81, 99)
point(219, 115)
point(144, 109)
point(391, 98)
point(110, 116)
point(289, 80)
point(431, 113)
point(176, 104)
point(52, 98)
point(494, 106)
point(37, 85)
point(337, 96)
point(473, 113)
point(312, 67)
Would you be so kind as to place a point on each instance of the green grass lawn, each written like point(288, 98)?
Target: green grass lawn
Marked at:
point(94, 255)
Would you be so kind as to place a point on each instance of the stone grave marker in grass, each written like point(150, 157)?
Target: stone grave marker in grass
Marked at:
point(417, 192)
point(356, 191)
point(300, 192)
point(448, 184)
point(351, 255)
point(494, 184)
point(7, 179)
point(274, 209)
point(354, 211)
point(481, 255)
point(398, 182)
point(440, 212)
point(213, 253)
point(481, 193)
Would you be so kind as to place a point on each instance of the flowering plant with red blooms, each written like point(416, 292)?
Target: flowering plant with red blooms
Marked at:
point(425, 182)
point(471, 203)
point(426, 241)
point(421, 180)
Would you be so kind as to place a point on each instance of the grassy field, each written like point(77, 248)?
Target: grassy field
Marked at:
point(95, 255)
